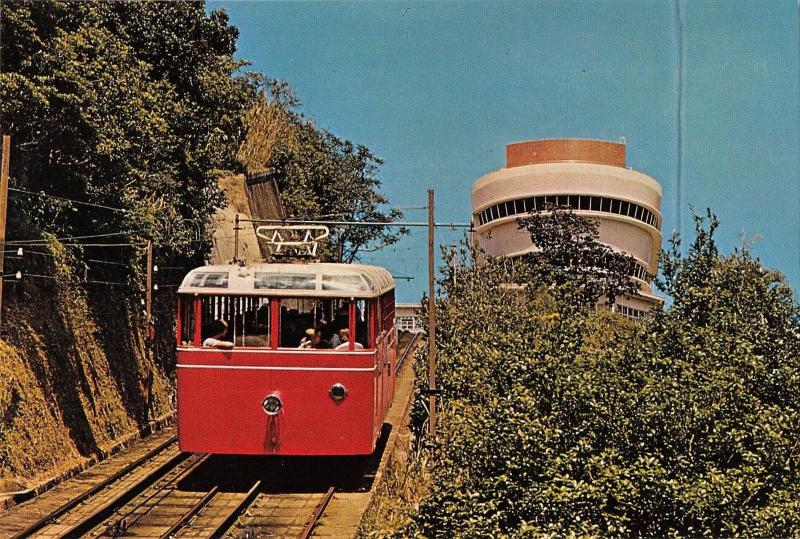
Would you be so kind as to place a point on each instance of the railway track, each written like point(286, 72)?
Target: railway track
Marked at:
point(165, 493)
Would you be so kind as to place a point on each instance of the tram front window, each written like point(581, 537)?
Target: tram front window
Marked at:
point(318, 323)
point(247, 319)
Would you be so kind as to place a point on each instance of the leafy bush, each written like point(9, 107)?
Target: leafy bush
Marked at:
point(558, 420)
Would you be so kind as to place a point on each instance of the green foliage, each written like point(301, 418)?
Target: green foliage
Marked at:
point(556, 420)
point(568, 253)
point(123, 104)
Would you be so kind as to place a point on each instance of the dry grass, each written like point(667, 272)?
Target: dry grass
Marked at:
point(406, 481)
point(268, 125)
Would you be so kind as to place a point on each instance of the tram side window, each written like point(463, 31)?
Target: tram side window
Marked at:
point(362, 323)
point(187, 321)
point(387, 309)
point(247, 319)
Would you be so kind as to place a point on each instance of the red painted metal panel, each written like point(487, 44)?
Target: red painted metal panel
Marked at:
point(198, 309)
point(178, 322)
point(283, 357)
point(351, 315)
point(220, 395)
point(275, 325)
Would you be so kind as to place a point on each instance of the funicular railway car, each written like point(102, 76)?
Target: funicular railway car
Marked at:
point(285, 358)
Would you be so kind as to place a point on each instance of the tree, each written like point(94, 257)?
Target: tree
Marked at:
point(123, 105)
point(563, 421)
point(567, 252)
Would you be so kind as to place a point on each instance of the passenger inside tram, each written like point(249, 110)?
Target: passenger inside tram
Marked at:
point(322, 319)
point(344, 335)
point(216, 339)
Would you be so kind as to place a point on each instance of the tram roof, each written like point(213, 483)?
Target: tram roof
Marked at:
point(320, 280)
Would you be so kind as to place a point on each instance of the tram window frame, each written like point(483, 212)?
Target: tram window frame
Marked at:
point(331, 311)
point(239, 312)
point(186, 321)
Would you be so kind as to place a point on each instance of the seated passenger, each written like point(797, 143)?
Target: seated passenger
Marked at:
point(344, 335)
point(314, 339)
point(218, 330)
point(336, 340)
point(318, 341)
point(305, 342)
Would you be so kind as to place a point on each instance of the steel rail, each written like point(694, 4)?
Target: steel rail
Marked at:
point(220, 530)
point(318, 512)
point(189, 514)
point(406, 352)
point(44, 521)
point(108, 508)
point(122, 523)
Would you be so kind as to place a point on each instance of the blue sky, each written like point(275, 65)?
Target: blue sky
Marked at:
point(438, 89)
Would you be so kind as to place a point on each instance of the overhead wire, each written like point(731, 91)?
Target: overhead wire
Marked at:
point(82, 203)
point(69, 238)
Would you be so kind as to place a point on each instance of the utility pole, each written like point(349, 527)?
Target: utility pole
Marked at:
point(236, 239)
point(431, 319)
point(148, 310)
point(4, 173)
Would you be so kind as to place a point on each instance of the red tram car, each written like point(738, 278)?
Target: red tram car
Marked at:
point(286, 385)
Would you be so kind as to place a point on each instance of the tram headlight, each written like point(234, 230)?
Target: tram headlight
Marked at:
point(338, 392)
point(272, 404)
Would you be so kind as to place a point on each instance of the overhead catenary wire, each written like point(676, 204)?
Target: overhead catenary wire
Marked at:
point(38, 276)
point(79, 244)
point(354, 223)
point(82, 203)
point(23, 243)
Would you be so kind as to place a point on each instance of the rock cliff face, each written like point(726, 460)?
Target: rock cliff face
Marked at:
point(75, 374)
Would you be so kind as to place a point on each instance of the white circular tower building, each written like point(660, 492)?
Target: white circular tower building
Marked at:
point(589, 176)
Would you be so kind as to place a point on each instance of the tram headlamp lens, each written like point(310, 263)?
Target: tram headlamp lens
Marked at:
point(272, 405)
point(338, 392)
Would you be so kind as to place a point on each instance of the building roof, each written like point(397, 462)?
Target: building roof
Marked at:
point(317, 280)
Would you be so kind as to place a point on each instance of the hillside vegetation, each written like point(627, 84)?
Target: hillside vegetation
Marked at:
point(559, 420)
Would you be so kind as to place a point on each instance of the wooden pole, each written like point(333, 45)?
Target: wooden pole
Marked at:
point(431, 319)
point(149, 301)
point(4, 174)
point(236, 239)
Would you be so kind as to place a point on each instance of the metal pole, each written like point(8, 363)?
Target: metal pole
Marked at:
point(431, 319)
point(149, 301)
point(4, 173)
